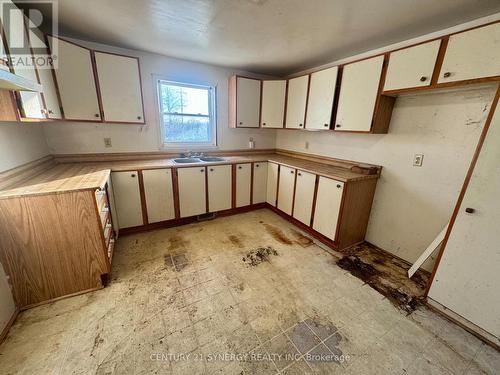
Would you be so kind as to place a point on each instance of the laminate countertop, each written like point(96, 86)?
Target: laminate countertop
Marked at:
point(64, 177)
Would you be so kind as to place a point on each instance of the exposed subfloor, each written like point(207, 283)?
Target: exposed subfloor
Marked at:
point(246, 294)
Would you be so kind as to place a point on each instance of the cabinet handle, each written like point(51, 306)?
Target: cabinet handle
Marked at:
point(447, 74)
point(97, 115)
point(325, 125)
point(423, 79)
point(239, 166)
point(291, 172)
point(51, 111)
point(300, 125)
point(139, 117)
point(470, 210)
point(339, 186)
point(202, 170)
point(263, 124)
point(132, 175)
point(338, 126)
point(256, 165)
point(300, 174)
point(241, 122)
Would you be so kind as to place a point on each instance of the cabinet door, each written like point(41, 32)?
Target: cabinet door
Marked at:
point(120, 87)
point(412, 67)
point(259, 182)
point(50, 93)
point(243, 184)
point(192, 199)
point(321, 95)
point(304, 195)
point(76, 82)
point(247, 102)
point(472, 54)
point(327, 210)
point(272, 183)
point(219, 188)
point(296, 102)
point(285, 189)
point(358, 93)
point(127, 198)
point(273, 103)
point(159, 194)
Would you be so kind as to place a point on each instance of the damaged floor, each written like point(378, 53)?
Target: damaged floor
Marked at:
point(247, 294)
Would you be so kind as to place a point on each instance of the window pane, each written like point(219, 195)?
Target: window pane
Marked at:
point(186, 100)
point(191, 129)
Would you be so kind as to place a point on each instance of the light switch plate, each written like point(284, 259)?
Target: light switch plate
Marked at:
point(107, 142)
point(418, 160)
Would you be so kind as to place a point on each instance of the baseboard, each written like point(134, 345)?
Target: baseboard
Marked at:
point(10, 323)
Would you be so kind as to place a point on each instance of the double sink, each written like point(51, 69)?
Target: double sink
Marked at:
point(206, 159)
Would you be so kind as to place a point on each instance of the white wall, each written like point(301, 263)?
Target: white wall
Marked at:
point(411, 204)
point(72, 137)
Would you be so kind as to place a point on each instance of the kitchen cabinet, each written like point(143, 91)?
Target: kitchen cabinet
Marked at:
point(412, 67)
point(243, 184)
point(272, 183)
point(158, 191)
point(358, 95)
point(244, 102)
point(327, 210)
point(285, 189)
point(321, 97)
point(50, 97)
point(219, 187)
point(472, 54)
point(120, 87)
point(259, 182)
point(273, 103)
point(76, 81)
point(192, 191)
point(304, 196)
point(296, 102)
point(127, 198)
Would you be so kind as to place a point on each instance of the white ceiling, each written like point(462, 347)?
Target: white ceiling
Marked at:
point(268, 36)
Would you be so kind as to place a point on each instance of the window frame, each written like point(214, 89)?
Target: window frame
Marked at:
point(212, 116)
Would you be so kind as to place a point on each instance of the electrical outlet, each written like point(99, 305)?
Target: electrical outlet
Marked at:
point(418, 159)
point(307, 145)
point(107, 142)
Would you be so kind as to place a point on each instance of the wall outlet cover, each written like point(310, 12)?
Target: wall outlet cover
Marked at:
point(418, 160)
point(107, 142)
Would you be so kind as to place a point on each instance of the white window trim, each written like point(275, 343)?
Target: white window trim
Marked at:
point(187, 146)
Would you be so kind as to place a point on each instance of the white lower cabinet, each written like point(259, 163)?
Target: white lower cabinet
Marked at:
point(243, 184)
point(285, 189)
point(192, 198)
point(259, 182)
point(219, 187)
point(159, 194)
point(328, 201)
point(127, 198)
point(304, 196)
point(272, 183)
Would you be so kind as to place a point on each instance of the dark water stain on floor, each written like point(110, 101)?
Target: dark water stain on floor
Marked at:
point(175, 261)
point(301, 239)
point(236, 241)
point(278, 234)
point(386, 274)
point(259, 255)
point(177, 242)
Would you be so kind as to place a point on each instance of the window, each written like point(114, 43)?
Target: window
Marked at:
point(187, 114)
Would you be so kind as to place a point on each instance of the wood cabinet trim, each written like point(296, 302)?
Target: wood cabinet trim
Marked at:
point(175, 189)
point(143, 197)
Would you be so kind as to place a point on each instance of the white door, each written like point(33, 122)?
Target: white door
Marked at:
point(50, 93)
point(259, 182)
point(412, 67)
point(219, 188)
point(272, 183)
point(247, 102)
point(120, 86)
point(75, 78)
point(192, 199)
point(127, 198)
point(358, 93)
point(243, 184)
point(296, 102)
point(285, 189)
point(327, 210)
point(273, 103)
point(321, 96)
point(159, 194)
point(467, 277)
point(304, 195)
point(472, 54)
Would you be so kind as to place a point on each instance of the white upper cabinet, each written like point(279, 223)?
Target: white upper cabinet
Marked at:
point(247, 102)
point(127, 198)
point(321, 96)
point(304, 196)
point(243, 184)
point(192, 199)
point(273, 103)
point(219, 188)
point(412, 67)
point(50, 93)
point(285, 189)
point(358, 94)
point(328, 202)
point(472, 54)
point(259, 182)
point(120, 87)
point(159, 194)
point(296, 102)
point(75, 78)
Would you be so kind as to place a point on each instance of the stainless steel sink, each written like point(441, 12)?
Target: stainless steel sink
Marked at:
point(187, 160)
point(211, 158)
